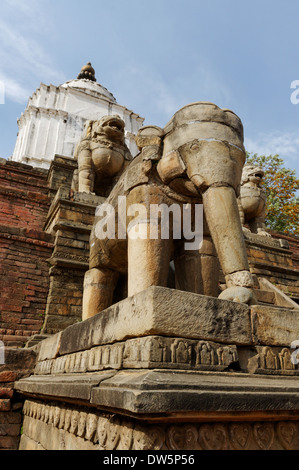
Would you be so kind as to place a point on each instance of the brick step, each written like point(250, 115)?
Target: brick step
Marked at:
point(14, 340)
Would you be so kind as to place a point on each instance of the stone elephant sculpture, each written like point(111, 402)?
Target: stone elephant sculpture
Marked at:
point(195, 161)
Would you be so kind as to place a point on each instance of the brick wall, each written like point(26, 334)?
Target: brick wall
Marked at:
point(24, 251)
point(18, 363)
point(293, 244)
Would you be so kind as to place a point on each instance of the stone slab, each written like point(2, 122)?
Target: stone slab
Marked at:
point(161, 394)
point(281, 298)
point(69, 386)
point(181, 393)
point(49, 348)
point(274, 326)
point(274, 243)
point(165, 312)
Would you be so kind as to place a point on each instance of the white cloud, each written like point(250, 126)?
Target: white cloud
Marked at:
point(284, 144)
point(24, 62)
point(13, 90)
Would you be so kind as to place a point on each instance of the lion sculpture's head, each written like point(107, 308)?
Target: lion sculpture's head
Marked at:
point(108, 128)
point(253, 174)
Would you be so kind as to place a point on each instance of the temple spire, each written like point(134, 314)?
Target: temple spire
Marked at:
point(87, 72)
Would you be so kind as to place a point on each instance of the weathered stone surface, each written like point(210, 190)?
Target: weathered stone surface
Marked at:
point(269, 360)
point(181, 393)
point(101, 154)
point(70, 218)
point(162, 311)
point(144, 353)
point(274, 326)
point(173, 394)
point(194, 162)
point(163, 379)
point(69, 386)
point(58, 427)
point(252, 200)
point(49, 348)
point(281, 298)
point(58, 322)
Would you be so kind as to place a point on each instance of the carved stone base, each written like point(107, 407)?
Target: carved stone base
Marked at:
point(144, 353)
point(167, 370)
point(55, 426)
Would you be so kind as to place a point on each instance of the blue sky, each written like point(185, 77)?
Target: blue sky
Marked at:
point(157, 56)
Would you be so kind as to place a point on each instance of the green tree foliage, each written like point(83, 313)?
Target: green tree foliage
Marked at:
point(281, 186)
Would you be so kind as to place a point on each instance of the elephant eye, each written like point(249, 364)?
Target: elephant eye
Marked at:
point(194, 146)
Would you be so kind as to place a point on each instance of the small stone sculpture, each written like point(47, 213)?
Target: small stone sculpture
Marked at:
point(197, 159)
point(102, 154)
point(252, 200)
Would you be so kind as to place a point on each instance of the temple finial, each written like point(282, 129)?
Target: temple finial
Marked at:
point(87, 72)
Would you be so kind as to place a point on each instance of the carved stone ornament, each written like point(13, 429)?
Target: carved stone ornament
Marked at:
point(91, 429)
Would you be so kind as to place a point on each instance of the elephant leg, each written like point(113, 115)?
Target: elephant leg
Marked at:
point(198, 270)
point(148, 260)
point(221, 210)
point(99, 285)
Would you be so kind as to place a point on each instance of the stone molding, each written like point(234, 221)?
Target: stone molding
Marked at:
point(148, 352)
point(158, 352)
point(276, 361)
point(98, 431)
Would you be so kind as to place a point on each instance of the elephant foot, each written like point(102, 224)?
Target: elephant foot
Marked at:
point(239, 294)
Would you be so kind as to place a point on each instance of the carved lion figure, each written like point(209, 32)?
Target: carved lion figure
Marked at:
point(102, 155)
point(252, 200)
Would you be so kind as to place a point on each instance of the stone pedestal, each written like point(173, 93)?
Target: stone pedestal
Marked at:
point(69, 220)
point(167, 369)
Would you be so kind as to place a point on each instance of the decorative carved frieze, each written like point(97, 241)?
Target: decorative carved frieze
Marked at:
point(146, 352)
point(111, 432)
point(273, 360)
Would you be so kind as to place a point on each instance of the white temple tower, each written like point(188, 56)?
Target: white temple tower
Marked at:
point(54, 118)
